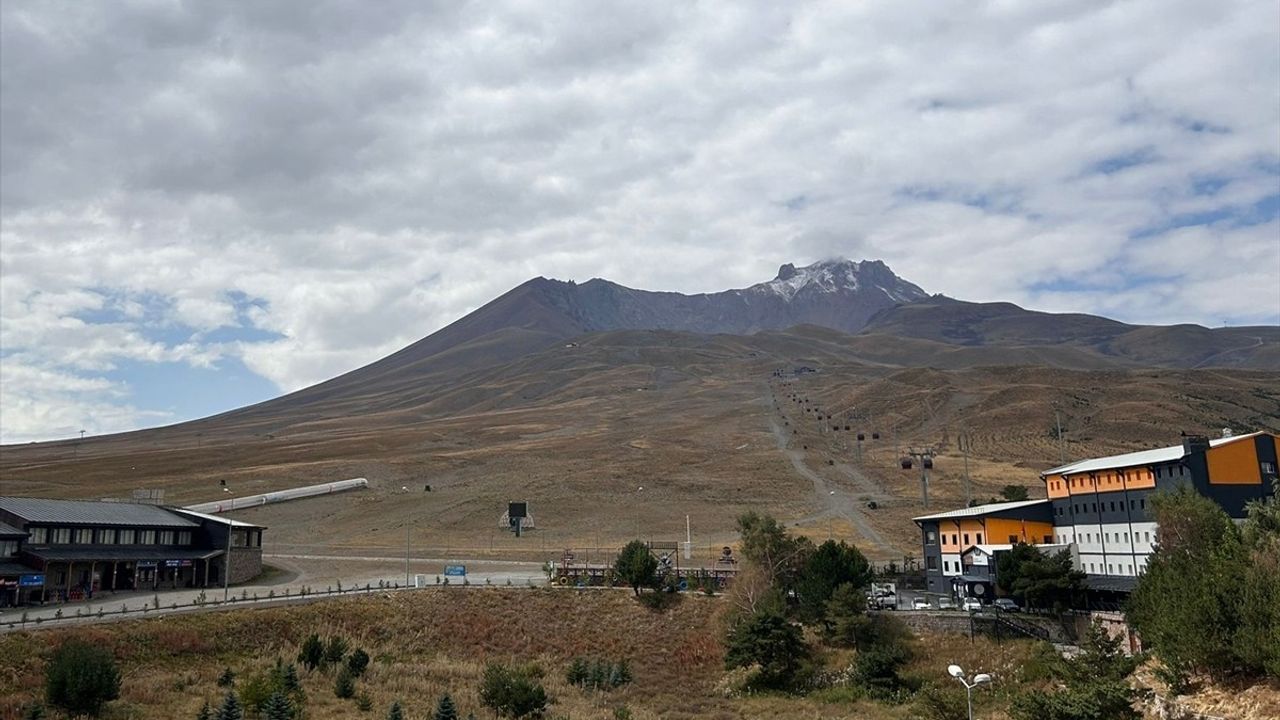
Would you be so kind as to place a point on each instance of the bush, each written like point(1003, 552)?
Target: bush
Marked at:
point(768, 640)
point(942, 702)
point(227, 678)
point(357, 662)
point(1093, 685)
point(81, 678)
point(394, 712)
point(345, 685)
point(598, 675)
point(231, 709)
point(512, 692)
point(257, 690)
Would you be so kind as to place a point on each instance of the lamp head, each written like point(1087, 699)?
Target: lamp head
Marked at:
point(981, 678)
point(955, 671)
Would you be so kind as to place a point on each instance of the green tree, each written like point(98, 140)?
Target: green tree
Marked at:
point(289, 681)
point(344, 686)
point(230, 709)
point(81, 678)
point(1093, 685)
point(1186, 605)
point(277, 707)
point(206, 712)
point(358, 662)
point(227, 678)
point(1037, 579)
point(335, 650)
point(769, 640)
point(445, 709)
point(512, 692)
point(312, 653)
point(35, 711)
point(767, 546)
point(1258, 638)
point(831, 565)
point(636, 566)
point(394, 712)
point(1014, 493)
point(578, 672)
point(845, 621)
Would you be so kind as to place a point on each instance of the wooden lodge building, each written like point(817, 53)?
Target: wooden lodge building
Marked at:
point(66, 550)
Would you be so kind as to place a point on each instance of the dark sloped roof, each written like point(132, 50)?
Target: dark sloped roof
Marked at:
point(8, 567)
point(11, 531)
point(1111, 583)
point(109, 553)
point(90, 512)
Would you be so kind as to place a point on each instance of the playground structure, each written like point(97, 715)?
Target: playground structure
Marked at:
point(597, 571)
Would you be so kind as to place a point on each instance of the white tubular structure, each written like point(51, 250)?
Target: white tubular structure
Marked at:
point(219, 506)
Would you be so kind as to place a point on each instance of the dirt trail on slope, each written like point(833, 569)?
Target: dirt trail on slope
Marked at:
point(837, 500)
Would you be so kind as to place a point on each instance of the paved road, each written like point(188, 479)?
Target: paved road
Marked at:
point(301, 574)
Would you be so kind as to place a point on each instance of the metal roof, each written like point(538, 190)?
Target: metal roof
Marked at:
point(91, 512)
point(978, 510)
point(8, 567)
point(1142, 458)
point(217, 519)
point(7, 530)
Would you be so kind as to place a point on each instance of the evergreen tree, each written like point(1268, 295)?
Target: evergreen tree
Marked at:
point(227, 678)
point(769, 640)
point(289, 681)
point(206, 712)
point(830, 566)
point(637, 566)
point(312, 653)
point(335, 650)
point(357, 662)
point(1037, 579)
point(34, 711)
point(277, 707)
point(445, 709)
point(578, 672)
point(1093, 685)
point(345, 685)
point(230, 709)
point(394, 712)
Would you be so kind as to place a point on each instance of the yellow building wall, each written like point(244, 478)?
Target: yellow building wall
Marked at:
point(1235, 463)
point(1055, 486)
point(1028, 531)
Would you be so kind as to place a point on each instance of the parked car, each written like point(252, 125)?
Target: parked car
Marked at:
point(1007, 605)
point(887, 601)
point(971, 605)
point(920, 604)
point(946, 603)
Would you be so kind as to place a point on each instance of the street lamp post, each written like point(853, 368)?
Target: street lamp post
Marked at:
point(958, 673)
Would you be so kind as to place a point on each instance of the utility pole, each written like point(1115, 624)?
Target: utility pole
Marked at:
point(1062, 452)
point(964, 445)
point(226, 574)
point(406, 553)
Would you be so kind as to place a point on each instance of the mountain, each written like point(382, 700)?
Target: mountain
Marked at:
point(1005, 328)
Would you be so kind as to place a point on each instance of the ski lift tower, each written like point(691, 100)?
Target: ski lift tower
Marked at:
point(924, 456)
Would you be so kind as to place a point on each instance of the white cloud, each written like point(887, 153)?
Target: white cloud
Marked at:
point(365, 178)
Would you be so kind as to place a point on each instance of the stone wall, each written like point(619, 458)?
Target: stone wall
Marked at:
point(246, 564)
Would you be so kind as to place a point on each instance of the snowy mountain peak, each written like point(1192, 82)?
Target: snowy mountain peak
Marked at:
point(840, 275)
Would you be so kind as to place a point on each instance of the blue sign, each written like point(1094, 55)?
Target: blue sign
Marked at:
point(31, 580)
point(455, 570)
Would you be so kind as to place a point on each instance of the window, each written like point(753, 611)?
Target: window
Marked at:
point(107, 537)
point(966, 539)
point(1013, 539)
point(1113, 506)
point(1148, 535)
point(61, 536)
point(1047, 539)
point(1092, 567)
point(933, 563)
point(127, 537)
point(8, 547)
point(1095, 507)
point(82, 536)
point(146, 537)
point(1111, 569)
point(955, 539)
point(1142, 503)
point(184, 537)
point(1126, 537)
point(165, 537)
point(39, 535)
point(979, 538)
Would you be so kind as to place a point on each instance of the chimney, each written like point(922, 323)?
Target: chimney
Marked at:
point(1194, 444)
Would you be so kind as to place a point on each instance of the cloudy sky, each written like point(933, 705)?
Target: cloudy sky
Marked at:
point(204, 204)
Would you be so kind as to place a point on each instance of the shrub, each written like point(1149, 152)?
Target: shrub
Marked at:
point(364, 703)
point(394, 712)
point(942, 702)
point(1093, 685)
point(227, 678)
point(231, 709)
point(512, 692)
point(206, 712)
point(358, 662)
point(81, 678)
point(345, 685)
point(35, 711)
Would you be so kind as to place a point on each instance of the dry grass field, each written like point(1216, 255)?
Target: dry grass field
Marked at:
point(431, 642)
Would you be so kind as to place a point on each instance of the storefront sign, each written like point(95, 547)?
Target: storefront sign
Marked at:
point(177, 563)
point(455, 570)
point(31, 580)
point(8, 582)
